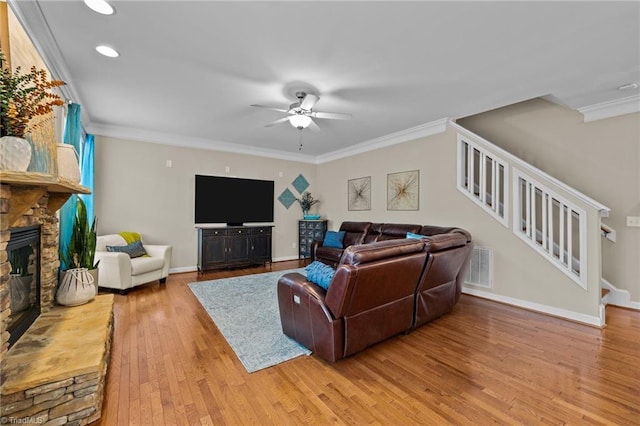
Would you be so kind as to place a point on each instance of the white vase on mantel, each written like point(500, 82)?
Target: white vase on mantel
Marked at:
point(15, 153)
point(68, 161)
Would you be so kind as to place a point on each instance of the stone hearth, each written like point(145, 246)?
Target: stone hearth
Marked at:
point(56, 371)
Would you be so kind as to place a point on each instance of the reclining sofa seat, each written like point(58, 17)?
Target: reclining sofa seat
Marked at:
point(354, 233)
point(371, 298)
point(394, 231)
point(366, 233)
point(441, 282)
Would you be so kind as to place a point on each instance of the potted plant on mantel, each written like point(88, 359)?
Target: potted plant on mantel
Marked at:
point(79, 282)
point(23, 96)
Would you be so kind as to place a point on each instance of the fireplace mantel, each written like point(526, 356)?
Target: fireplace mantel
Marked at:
point(28, 187)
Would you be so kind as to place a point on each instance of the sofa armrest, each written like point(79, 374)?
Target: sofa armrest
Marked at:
point(164, 251)
point(114, 269)
point(312, 250)
point(305, 289)
point(305, 317)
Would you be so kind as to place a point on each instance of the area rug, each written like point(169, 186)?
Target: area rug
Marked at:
point(245, 310)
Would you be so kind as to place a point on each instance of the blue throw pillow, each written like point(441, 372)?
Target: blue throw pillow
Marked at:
point(135, 249)
point(320, 274)
point(416, 236)
point(333, 239)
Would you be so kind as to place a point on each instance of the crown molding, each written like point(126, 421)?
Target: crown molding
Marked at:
point(413, 133)
point(162, 138)
point(610, 109)
point(424, 130)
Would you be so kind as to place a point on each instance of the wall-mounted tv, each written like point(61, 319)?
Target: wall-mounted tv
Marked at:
point(233, 201)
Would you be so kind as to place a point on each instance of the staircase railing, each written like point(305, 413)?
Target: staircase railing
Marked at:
point(550, 216)
point(552, 225)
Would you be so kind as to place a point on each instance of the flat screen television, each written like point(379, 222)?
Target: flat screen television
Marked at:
point(233, 201)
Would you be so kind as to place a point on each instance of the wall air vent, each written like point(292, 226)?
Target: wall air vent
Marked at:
point(480, 271)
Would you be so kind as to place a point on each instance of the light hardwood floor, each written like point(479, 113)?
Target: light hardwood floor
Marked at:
point(483, 363)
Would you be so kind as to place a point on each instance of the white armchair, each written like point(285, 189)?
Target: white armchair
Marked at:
point(118, 270)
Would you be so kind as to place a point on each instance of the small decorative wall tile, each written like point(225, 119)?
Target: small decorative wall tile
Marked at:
point(300, 183)
point(287, 198)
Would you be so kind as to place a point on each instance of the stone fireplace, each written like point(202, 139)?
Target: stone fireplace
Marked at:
point(53, 359)
point(36, 217)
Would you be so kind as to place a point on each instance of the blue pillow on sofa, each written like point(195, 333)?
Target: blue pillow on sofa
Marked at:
point(320, 273)
point(416, 236)
point(333, 239)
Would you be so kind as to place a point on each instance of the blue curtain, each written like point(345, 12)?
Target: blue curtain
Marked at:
point(73, 132)
point(75, 135)
point(87, 172)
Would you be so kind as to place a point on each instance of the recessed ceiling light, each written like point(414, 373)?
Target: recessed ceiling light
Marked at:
point(629, 86)
point(100, 6)
point(107, 51)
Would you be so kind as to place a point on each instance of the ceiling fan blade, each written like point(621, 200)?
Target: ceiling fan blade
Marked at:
point(308, 102)
point(271, 108)
point(331, 115)
point(313, 126)
point(273, 123)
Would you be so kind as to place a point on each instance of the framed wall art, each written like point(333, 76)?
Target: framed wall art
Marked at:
point(359, 193)
point(403, 190)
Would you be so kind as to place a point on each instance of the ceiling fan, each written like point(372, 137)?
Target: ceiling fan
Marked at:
point(301, 113)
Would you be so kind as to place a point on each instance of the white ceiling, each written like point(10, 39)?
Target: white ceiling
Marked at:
point(188, 71)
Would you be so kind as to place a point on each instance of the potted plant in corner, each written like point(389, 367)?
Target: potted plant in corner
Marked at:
point(79, 282)
point(23, 96)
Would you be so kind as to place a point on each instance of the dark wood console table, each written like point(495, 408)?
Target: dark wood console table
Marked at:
point(233, 247)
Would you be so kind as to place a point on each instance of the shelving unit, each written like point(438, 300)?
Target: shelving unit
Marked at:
point(309, 230)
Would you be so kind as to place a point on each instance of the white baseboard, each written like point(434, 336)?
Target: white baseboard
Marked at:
point(285, 258)
point(545, 309)
point(618, 297)
point(626, 304)
point(183, 269)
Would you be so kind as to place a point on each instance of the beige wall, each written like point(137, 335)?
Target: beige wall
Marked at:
point(599, 158)
point(136, 191)
point(442, 204)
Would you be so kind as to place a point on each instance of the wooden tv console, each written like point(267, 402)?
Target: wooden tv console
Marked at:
point(233, 247)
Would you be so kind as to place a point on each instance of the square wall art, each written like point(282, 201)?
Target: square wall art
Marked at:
point(359, 193)
point(403, 190)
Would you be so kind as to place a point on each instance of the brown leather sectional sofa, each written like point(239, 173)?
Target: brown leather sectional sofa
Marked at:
point(380, 288)
point(369, 232)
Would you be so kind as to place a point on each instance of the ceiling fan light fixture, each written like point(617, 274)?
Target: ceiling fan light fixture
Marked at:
point(100, 6)
point(300, 121)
